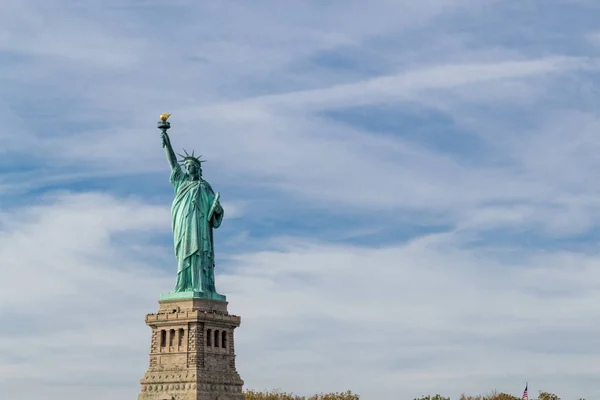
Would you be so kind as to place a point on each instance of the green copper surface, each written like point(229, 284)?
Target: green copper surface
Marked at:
point(196, 211)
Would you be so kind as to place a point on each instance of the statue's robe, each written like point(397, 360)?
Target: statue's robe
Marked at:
point(194, 217)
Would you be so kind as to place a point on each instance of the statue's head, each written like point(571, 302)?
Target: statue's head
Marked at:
point(192, 164)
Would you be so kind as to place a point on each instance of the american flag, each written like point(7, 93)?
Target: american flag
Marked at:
point(525, 393)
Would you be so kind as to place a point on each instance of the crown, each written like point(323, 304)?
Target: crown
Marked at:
point(190, 157)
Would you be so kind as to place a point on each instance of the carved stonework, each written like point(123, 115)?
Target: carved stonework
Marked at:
point(191, 369)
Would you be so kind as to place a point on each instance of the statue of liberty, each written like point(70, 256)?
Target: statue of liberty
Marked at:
point(195, 211)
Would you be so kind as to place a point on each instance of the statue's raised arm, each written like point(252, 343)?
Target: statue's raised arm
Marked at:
point(163, 125)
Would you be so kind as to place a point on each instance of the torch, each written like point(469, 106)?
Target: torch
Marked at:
point(163, 124)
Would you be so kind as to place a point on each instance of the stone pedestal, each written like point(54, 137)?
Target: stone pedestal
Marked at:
point(192, 354)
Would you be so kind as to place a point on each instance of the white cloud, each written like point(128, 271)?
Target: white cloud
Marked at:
point(593, 37)
point(321, 160)
point(404, 85)
point(432, 314)
point(432, 311)
point(315, 158)
point(75, 289)
point(56, 249)
point(45, 30)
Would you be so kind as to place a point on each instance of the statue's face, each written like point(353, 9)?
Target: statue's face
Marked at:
point(193, 168)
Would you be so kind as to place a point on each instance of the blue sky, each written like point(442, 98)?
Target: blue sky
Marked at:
point(411, 193)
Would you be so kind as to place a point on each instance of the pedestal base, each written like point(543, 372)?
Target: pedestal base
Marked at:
point(192, 352)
